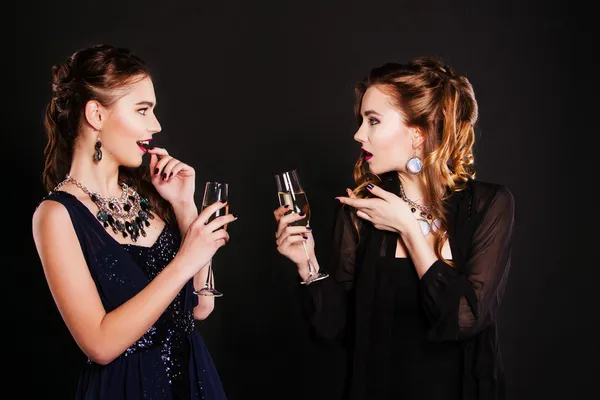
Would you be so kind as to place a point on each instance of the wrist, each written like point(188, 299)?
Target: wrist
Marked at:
point(181, 268)
point(401, 226)
point(410, 230)
point(304, 270)
point(303, 273)
point(185, 208)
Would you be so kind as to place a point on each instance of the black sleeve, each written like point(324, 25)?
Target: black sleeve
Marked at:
point(460, 304)
point(326, 301)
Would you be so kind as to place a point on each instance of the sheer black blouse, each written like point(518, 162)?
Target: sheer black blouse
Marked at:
point(457, 306)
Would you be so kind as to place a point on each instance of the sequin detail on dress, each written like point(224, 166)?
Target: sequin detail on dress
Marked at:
point(175, 323)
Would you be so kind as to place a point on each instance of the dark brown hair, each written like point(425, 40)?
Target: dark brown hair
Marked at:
point(441, 104)
point(93, 73)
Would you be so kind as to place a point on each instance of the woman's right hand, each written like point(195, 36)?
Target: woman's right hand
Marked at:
point(289, 238)
point(203, 238)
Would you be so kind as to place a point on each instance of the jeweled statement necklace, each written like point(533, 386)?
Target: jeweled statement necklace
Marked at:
point(126, 214)
point(424, 216)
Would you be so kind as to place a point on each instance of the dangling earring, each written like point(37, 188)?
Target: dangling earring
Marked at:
point(414, 164)
point(98, 152)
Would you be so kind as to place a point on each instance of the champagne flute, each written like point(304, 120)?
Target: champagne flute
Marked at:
point(213, 192)
point(290, 193)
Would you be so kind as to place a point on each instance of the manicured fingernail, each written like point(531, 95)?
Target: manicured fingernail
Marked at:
point(235, 216)
point(309, 228)
point(286, 206)
point(370, 186)
point(155, 171)
point(338, 199)
point(305, 237)
point(301, 214)
point(171, 174)
point(164, 176)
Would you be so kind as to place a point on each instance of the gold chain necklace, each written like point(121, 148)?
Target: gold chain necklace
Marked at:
point(126, 214)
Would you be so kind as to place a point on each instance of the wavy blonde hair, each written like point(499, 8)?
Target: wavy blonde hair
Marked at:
point(441, 104)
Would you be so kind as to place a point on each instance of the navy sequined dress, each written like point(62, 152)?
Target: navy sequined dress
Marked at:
point(171, 360)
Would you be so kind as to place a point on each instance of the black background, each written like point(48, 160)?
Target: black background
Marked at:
point(246, 89)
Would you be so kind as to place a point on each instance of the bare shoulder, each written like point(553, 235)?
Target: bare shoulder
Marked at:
point(55, 238)
point(50, 215)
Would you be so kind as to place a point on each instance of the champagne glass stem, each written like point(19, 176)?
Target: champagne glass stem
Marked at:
point(310, 272)
point(208, 283)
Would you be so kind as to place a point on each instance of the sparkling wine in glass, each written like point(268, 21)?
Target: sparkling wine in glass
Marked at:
point(213, 192)
point(290, 193)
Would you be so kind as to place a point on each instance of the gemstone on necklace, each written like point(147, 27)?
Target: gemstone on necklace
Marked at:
point(144, 205)
point(425, 227)
point(102, 217)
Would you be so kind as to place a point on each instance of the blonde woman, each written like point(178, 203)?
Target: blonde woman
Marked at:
point(421, 249)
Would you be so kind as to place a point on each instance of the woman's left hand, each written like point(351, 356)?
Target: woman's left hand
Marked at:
point(174, 180)
point(386, 211)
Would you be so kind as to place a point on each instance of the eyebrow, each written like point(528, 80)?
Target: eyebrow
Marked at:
point(371, 112)
point(145, 103)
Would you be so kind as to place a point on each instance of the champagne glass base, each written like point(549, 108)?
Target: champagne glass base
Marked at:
point(208, 292)
point(314, 278)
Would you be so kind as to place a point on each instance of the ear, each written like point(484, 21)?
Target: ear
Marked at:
point(418, 138)
point(95, 114)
